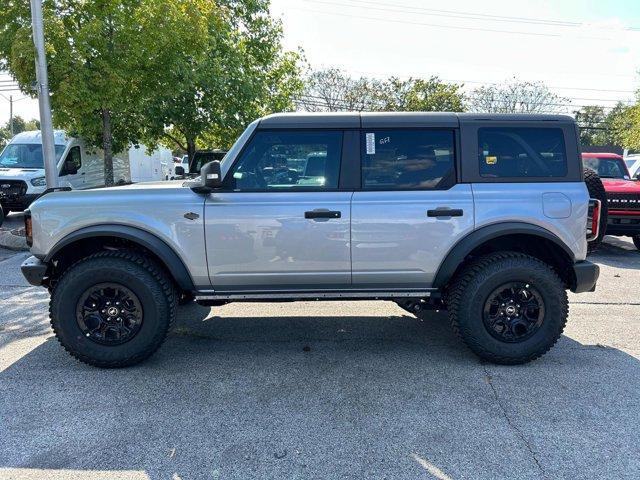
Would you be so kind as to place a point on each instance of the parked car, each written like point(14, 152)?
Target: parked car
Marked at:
point(202, 157)
point(486, 216)
point(622, 191)
point(179, 168)
point(22, 168)
point(633, 164)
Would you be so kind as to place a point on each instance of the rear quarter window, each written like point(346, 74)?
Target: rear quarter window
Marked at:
point(515, 152)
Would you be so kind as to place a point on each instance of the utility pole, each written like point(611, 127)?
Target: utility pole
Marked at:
point(46, 124)
point(11, 114)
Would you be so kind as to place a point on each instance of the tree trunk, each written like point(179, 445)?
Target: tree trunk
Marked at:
point(107, 147)
point(191, 151)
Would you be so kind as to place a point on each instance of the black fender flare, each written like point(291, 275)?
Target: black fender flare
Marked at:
point(465, 246)
point(158, 247)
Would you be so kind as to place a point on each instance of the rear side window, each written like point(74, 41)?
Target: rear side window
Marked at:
point(408, 159)
point(521, 152)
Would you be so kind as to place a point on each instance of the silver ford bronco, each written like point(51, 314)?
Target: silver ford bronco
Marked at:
point(485, 216)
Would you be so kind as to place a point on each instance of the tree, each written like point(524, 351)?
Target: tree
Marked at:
point(591, 120)
point(332, 90)
point(625, 124)
point(123, 71)
point(100, 56)
point(597, 127)
point(420, 95)
point(516, 97)
point(237, 73)
point(19, 125)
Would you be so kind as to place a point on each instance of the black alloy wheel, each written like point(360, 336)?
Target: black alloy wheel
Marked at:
point(109, 314)
point(513, 312)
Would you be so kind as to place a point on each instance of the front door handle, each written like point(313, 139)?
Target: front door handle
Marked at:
point(445, 212)
point(323, 214)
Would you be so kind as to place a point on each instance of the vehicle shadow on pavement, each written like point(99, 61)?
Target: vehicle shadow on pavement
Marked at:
point(617, 252)
point(363, 395)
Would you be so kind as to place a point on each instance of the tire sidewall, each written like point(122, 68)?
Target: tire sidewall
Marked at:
point(471, 314)
point(156, 315)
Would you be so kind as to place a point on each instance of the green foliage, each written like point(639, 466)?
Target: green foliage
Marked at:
point(626, 125)
point(126, 71)
point(332, 90)
point(421, 95)
point(236, 73)
point(597, 127)
point(19, 125)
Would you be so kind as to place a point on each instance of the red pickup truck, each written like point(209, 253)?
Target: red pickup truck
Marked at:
point(623, 194)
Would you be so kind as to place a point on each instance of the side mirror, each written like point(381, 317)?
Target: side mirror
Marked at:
point(179, 170)
point(211, 176)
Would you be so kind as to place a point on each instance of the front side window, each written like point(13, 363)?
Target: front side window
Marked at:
point(521, 152)
point(289, 161)
point(26, 155)
point(74, 157)
point(408, 159)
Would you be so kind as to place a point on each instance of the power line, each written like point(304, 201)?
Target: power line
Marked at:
point(480, 82)
point(433, 25)
point(460, 14)
point(406, 22)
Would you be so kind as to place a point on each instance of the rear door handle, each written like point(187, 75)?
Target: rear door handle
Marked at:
point(323, 214)
point(445, 212)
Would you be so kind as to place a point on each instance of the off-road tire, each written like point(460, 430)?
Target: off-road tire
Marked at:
point(596, 190)
point(636, 241)
point(147, 280)
point(470, 289)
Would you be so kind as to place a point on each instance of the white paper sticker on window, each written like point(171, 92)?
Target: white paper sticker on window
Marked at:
point(371, 143)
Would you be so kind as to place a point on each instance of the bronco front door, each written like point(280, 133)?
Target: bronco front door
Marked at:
point(281, 223)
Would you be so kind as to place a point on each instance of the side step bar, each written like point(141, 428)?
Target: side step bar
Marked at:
point(207, 296)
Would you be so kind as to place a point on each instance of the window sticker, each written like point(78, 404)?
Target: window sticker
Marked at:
point(385, 140)
point(371, 143)
point(491, 160)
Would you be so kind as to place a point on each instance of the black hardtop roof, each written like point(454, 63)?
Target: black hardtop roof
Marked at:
point(396, 119)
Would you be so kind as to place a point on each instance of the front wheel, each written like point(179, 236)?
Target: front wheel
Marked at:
point(113, 308)
point(508, 307)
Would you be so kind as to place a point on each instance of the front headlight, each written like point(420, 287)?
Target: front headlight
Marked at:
point(39, 182)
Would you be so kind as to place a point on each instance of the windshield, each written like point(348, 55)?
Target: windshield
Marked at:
point(608, 167)
point(26, 155)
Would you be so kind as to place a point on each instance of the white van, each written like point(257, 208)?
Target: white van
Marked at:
point(22, 168)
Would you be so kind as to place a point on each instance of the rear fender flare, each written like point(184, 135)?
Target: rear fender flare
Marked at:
point(464, 247)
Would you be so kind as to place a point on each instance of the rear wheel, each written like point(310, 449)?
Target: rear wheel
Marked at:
point(597, 191)
point(113, 308)
point(508, 307)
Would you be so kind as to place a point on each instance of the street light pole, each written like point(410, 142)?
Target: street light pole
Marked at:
point(46, 124)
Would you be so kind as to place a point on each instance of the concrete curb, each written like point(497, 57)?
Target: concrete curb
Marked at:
point(12, 242)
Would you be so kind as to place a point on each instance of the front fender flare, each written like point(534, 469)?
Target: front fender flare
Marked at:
point(158, 247)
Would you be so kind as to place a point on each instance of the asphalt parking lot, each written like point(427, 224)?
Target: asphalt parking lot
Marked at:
point(325, 390)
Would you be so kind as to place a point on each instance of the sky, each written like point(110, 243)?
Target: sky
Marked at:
point(586, 51)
